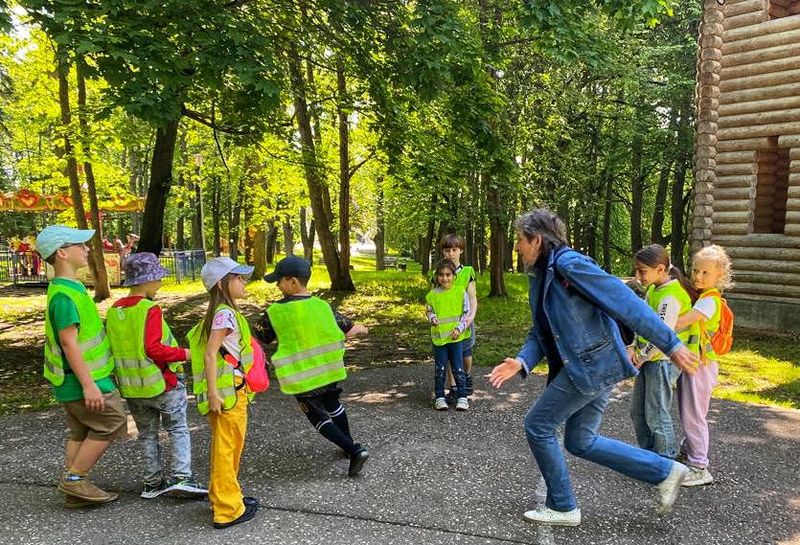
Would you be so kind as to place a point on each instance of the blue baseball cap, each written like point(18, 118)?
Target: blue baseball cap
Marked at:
point(292, 266)
point(54, 237)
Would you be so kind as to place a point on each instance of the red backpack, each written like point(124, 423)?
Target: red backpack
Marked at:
point(722, 340)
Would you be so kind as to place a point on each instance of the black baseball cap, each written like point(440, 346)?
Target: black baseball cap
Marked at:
point(291, 266)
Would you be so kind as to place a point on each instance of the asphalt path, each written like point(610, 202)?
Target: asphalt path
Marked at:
point(432, 477)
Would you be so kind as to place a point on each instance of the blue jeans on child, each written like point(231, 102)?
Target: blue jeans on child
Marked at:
point(651, 406)
point(168, 409)
point(583, 413)
point(454, 353)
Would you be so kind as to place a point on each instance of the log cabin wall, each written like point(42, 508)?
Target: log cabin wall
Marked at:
point(747, 153)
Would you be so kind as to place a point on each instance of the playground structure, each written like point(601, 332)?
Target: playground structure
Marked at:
point(747, 153)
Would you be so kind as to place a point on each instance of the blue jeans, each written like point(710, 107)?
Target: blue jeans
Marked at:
point(583, 413)
point(453, 352)
point(168, 409)
point(651, 406)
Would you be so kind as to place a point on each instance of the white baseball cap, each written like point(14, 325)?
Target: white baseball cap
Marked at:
point(216, 269)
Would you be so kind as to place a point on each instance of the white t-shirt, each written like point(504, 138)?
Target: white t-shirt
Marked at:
point(226, 319)
point(707, 306)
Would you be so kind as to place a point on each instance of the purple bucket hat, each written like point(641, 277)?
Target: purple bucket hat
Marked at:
point(143, 267)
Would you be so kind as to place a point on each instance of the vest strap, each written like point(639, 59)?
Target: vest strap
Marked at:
point(305, 354)
point(298, 377)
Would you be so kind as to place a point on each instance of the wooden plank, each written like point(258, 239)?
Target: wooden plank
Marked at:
point(732, 157)
point(760, 80)
point(756, 56)
point(792, 231)
point(766, 289)
point(762, 240)
point(774, 129)
point(745, 19)
point(774, 265)
point(735, 168)
point(750, 35)
point(768, 277)
point(768, 105)
point(761, 93)
point(733, 296)
point(745, 144)
point(729, 206)
point(748, 180)
point(732, 9)
point(729, 229)
point(732, 193)
point(738, 217)
point(789, 140)
point(760, 118)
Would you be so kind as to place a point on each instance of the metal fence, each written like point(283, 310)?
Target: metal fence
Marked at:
point(29, 268)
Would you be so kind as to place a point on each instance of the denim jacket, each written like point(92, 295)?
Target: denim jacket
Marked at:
point(581, 302)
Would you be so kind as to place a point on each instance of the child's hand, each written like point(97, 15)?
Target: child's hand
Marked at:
point(188, 354)
point(93, 398)
point(214, 402)
point(455, 334)
point(357, 329)
point(434, 320)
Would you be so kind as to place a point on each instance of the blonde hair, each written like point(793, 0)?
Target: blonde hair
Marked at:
point(720, 257)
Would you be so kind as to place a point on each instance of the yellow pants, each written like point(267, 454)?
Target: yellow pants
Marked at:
point(228, 430)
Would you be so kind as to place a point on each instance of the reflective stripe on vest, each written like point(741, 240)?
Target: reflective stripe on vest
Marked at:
point(448, 306)
point(690, 335)
point(226, 376)
point(92, 340)
point(709, 327)
point(310, 345)
point(138, 376)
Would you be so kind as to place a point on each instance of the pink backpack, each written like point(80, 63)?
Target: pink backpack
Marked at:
point(257, 377)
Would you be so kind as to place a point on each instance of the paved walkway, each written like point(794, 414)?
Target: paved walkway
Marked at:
point(438, 478)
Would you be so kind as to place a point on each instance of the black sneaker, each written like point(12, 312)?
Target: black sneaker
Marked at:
point(249, 513)
point(187, 487)
point(468, 380)
point(250, 500)
point(357, 461)
point(151, 491)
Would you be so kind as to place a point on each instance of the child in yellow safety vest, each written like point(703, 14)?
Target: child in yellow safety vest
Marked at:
point(309, 361)
point(447, 310)
point(78, 363)
point(222, 354)
point(452, 246)
point(150, 376)
point(711, 274)
point(669, 294)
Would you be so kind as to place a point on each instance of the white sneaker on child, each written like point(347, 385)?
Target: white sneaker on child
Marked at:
point(440, 404)
point(462, 404)
point(545, 515)
point(698, 477)
point(669, 488)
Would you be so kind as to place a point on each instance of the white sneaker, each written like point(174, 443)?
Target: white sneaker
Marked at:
point(440, 404)
point(669, 488)
point(462, 404)
point(698, 477)
point(545, 515)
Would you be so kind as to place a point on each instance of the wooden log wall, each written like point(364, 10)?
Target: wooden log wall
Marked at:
point(749, 90)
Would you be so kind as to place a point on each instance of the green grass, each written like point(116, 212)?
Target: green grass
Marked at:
point(761, 369)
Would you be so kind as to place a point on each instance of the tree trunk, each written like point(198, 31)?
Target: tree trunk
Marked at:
point(607, 210)
point(102, 289)
point(380, 232)
point(180, 229)
point(272, 237)
point(259, 253)
point(236, 215)
point(340, 279)
point(198, 236)
point(658, 236)
point(427, 240)
point(216, 211)
point(497, 240)
point(637, 195)
point(344, 167)
point(307, 236)
point(157, 193)
point(677, 207)
point(288, 238)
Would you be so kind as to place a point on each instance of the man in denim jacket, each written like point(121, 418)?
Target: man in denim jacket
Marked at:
point(574, 305)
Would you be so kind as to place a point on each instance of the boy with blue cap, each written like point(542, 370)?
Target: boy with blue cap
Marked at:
point(149, 373)
point(309, 361)
point(78, 363)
